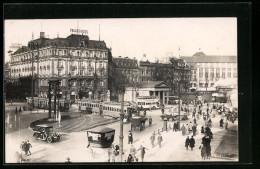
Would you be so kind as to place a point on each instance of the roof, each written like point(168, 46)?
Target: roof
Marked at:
point(149, 84)
point(209, 59)
point(70, 41)
point(101, 129)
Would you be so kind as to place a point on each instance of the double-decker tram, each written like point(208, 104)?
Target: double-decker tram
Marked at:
point(147, 102)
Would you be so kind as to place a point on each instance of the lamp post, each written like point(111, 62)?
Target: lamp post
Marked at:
point(121, 137)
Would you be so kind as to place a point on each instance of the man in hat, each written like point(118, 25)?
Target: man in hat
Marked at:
point(130, 137)
point(142, 152)
point(150, 121)
point(68, 160)
point(187, 142)
point(133, 151)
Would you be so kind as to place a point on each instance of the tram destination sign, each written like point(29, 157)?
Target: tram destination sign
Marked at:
point(79, 31)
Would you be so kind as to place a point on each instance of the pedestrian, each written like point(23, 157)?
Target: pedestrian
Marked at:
point(187, 142)
point(209, 122)
point(150, 121)
point(192, 143)
point(15, 110)
point(203, 152)
point(144, 113)
point(109, 152)
point(183, 129)
point(175, 126)
point(159, 139)
point(130, 158)
point(194, 129)
point(194, 121)
point(202, 129)
point(190, 127)
point(142, 149)
point(208, 151)
point(28, 146)
point(226, 125)
point(162, 110)
point(221, 123)
point(130, 137)
point(133, 151)
point(68, 160)
point(20, 110)
point(152, 138)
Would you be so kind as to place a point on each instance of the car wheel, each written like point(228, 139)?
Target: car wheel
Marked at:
point(49, 139)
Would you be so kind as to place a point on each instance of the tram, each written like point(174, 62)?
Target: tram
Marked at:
point(43, 103)
point(147, 102)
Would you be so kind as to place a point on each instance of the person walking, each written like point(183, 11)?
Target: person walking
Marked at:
point(159, 139)
point(226, 125)
point(133, 151)
point(16, 110)
point(221, 123)
point(142, 149)
point(130, 137)
point(187, 142)
point(194, 129)
point(175, 126)
point(183, 129)
point(202, 129)
point(192, 143)
point(28, 145)
point(152, 138)
point(150, 121)
point(194, 121)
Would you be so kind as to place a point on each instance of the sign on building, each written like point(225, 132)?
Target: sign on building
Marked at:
point(79, 31)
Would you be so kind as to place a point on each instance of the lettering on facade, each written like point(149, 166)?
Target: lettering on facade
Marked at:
point(79, 31)
point(94, 136)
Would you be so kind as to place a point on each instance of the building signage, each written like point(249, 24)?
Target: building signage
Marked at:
point(94, 136)
point(109, 135)
point(79, 31)
point(15, 45)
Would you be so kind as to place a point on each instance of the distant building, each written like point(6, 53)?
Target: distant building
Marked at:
point(80, 63)
point(148, 88)
point(207, 70)
point(172, 74)
point(128, 67)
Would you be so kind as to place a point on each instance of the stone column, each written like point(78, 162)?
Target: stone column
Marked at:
point(163, 97)
point(159, 95)
point(167, 97)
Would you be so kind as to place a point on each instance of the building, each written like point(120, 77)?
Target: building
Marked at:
point(128, 67)
point(80, 63)
point(148, 88)
point(207, 70)
point(172, 73)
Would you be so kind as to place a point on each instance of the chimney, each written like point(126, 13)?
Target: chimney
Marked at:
point(42, 34)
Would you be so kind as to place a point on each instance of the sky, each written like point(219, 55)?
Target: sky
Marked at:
point(155, 37)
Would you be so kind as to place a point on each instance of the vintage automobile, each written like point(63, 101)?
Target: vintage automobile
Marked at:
point(138, 122)
point(46, 133)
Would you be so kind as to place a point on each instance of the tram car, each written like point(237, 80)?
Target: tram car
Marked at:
point(112, 109)
point(101, 137)
point(43, 103)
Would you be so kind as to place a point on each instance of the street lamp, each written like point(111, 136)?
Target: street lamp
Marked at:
point(121, 137)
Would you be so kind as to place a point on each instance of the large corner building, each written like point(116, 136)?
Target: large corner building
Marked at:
point(80, 63)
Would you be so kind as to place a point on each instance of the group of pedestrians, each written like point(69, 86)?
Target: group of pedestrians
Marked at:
point(25, 146)
point(189, 142)
point(159, 139)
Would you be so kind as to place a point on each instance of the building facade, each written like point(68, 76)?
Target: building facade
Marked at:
point(128, 67)
point(174, 73)
point(207, 70)
point(79, 63)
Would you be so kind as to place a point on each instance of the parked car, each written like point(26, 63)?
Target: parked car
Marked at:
point(46, 133)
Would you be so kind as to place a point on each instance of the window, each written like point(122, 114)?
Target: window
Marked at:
point(200, 72)
point(223, 73)
point(229, 73)
point(206, 73)
point(211, 73)
point(218, 73)
point(81, 72)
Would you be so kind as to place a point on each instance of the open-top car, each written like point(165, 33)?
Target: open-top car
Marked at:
point(46, 133)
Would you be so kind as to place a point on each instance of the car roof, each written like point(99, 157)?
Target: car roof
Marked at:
point(44, 125)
